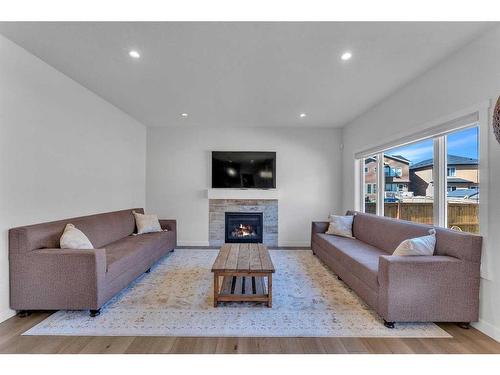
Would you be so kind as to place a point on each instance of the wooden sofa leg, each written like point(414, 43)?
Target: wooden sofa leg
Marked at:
point(339, 278)
point(388, 324)
point(23, 313)
point(148, 270)
point(464, 325)
point(94, 313)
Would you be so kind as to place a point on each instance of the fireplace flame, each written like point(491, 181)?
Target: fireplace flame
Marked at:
point(243, 230)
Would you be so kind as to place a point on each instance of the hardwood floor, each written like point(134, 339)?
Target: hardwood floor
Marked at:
point(463, 342)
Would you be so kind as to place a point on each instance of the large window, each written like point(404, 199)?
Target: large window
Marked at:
point(462, 198)
point(409, 190)
point(432, 181)
point(370, 184)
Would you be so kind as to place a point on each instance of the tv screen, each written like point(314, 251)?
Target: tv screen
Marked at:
point(244, 170)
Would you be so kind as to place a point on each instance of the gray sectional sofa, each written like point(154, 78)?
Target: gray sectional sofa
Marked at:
point(45, 277)
point(439, 288)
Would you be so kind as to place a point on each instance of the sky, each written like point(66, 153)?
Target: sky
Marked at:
point(461, 143)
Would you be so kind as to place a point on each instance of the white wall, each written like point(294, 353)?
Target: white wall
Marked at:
point(308, 175)
point(63, 151)
point(468, 77)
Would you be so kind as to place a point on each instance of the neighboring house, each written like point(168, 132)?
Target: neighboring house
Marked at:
point(462, 174)
point(397, 177)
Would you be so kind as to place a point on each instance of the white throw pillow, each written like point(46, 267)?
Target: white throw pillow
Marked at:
point(340, 226)
point(417, 246)
point(147, 223)
point(73, 238)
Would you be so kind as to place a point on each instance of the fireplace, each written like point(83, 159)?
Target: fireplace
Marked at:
point(217, 209)
point(244, 227)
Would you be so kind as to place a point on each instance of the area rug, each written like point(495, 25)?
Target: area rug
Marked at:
point(176, 299)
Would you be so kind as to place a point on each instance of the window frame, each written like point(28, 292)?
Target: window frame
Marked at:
point(475, 116)
point(439, 171)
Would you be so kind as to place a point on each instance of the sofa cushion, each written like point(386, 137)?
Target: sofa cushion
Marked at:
point(340, 226)
point(74, 238)
point(360, 258)
point(146, 223)
point(130, 251)
point(386, 233)
point(327, 243)
point(419, 246)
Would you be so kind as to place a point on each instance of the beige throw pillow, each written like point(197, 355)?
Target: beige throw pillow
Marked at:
point(73, 238)
point(147, 223)
point(340, 226)
point(417, 246)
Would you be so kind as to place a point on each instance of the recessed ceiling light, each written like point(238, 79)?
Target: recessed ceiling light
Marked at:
point(346, 56)
point(134, 54)
point(302, 115)
point(184, 115)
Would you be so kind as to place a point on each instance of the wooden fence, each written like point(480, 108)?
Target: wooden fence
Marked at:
point(462, 215)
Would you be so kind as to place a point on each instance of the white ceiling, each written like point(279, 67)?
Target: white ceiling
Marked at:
point(242, 74)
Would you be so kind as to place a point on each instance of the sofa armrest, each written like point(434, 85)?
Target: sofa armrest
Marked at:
point(171, 226)
point(428, 288)
point(52, 278)
point(319, 226)
point(72, 265)
point(168, 224)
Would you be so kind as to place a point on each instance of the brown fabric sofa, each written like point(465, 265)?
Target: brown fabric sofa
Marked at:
point(45, 277)
point(439, 288)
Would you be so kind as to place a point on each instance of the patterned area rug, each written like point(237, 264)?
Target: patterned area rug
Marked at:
point(176, 299)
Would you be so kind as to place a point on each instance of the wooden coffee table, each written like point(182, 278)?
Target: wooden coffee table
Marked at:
point(243, 268)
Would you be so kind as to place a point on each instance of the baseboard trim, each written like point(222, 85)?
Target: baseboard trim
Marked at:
point(284, 244)
point(488, 329)
point(270, 247)
point(6, 314)
point(181, 244)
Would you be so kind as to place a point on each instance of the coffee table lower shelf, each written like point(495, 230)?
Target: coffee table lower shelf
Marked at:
point(242, 289)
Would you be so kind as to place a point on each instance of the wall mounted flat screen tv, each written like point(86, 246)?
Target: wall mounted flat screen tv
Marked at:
point(243, 169)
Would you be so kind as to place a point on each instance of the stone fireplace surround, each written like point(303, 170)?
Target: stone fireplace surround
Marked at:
point(218, 208)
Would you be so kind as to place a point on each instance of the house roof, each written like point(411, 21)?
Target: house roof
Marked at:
point(398, 158)
point(462, 193)
point(458, 180)
point(394, 157)
point(452, 160)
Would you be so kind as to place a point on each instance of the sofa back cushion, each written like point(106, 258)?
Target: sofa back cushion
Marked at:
point(387, 233)
point(101, 229)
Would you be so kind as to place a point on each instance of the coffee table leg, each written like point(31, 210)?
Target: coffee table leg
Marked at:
point(270, 290)
point(216, 288)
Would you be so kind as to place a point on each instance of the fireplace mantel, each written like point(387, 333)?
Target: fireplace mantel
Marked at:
point(242, 194)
